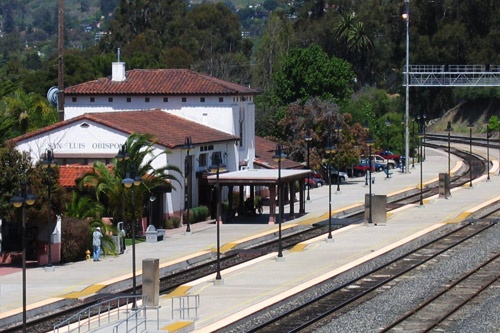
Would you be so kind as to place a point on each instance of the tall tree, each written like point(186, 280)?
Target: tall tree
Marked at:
point(309, 73)
point(105, 181)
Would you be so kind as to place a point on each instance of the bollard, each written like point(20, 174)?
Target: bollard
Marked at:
point(87, 255)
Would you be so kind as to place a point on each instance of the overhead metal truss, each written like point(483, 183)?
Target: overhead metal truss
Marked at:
point(453, 76)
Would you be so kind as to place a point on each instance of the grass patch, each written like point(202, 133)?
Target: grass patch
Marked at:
point(128, 241)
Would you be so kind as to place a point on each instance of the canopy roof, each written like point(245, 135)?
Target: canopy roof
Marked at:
point(258, 176)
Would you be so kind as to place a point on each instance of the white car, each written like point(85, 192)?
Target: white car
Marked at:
point(385, 163)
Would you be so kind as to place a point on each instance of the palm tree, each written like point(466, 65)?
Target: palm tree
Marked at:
point(105, 181)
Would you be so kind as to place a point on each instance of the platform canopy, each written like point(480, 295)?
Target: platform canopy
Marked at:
point(264, 177)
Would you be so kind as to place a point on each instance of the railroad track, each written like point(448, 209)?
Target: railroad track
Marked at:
point(302, 317)
point(434, 311)
point(235, 257)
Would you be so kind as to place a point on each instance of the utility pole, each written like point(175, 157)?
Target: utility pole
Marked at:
point(60, 62)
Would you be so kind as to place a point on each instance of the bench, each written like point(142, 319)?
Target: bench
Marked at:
point(154, 235)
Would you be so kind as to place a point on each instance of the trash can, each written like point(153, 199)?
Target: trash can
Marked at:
point(444, 185)
point(378, 208)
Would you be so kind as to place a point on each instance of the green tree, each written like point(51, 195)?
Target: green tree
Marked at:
point(309, 72)
point(105, 182)
point(272, 49)
point(17, 168)
point(26, 112)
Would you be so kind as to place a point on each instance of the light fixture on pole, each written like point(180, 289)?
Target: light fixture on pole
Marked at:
point(470, 125)
point(420, 136)
point(413, 149)
point(338, 130)
point(488, 135)
point(449, 129)
point(369, 143)
point(188, 145)
point(279, 157)
point(152, 199)
point(308, 139)
point(387, 125)
point(329, 150)
point(21, 200)
point(132, 181)
point(217, 167)
point(49, 163)
point(122, 157)
point(406, 17)
point(424, 124)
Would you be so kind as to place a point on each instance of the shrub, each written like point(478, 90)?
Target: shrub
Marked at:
point(76, 239)
point(200, 213)
point(172, 222)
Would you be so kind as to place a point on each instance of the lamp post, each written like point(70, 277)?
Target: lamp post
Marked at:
point(369, 143)
point(308, 139)
point(488, 134)
point(122, 157)
point(338, 129)
point(420, 136)
point(387, 125)
point(279, 156)
point(470, 125)
point(449, 129)
point(152, 199)
point(131, 182)
point(329, 150)
point(424, 124)
point(49, 163)
point(217, 167)
point(413, 135)
point(188, 144)
point(21, 200)
point(406, 17)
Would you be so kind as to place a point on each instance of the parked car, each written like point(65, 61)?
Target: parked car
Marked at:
point(315, 180)
point(390, 156)
point(335, 175)
point(385, 163)
point(359, 170)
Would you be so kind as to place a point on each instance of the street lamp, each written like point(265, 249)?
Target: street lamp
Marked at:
point(470, 125)
point(217, 167)
point(152, 199)
point(449, 129)
point(420, 136)
point(188, 144)
point(488, 134)
point(308, 139)
point(49, 163)
point(131, 182)
point(387, 125)
point(424, 124)
point(329, 150)
point(413, 150)
point(406, 17)
point(338, 129)
point(369, 143)
point(122, 157)
point(21, 200)
point(279, 156)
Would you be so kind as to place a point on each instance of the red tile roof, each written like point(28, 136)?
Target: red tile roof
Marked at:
point(264, 151)
point(69, 173)
point(168, 129)
point(160, 82)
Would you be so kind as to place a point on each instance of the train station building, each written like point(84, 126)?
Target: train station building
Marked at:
point(176, 106)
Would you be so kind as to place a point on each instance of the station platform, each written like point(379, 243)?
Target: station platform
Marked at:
point(266, 280)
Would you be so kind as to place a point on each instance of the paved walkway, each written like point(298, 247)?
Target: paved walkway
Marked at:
point(267, 279)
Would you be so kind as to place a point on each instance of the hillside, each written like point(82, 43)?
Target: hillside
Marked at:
point(479, 112)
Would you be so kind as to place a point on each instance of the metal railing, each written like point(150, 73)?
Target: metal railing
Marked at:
point(185, 305)
point(122, 309)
